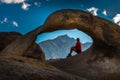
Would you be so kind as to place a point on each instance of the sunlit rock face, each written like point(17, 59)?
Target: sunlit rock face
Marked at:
point(101, 59)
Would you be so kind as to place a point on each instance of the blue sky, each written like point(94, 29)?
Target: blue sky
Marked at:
point(25, 15)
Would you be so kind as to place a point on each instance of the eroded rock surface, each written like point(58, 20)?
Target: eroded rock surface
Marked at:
point(22, 68)
point(8, 37)
point(102, 59)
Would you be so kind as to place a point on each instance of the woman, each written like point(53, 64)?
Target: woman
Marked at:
point(77, 48)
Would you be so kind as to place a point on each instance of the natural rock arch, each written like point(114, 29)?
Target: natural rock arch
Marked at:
point(105, 34)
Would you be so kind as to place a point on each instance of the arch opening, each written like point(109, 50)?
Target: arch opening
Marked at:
point(57, 44)
point(104, 33)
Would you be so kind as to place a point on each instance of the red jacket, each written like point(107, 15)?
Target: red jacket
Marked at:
point(78, 46)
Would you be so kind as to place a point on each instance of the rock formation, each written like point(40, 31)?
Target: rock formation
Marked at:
point(29, 66)
point(102, 59)
point(8, 37)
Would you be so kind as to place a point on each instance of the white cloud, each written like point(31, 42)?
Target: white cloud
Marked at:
point(12, 1)
point(15, 24)
point(4, 20)
point(38, 4)
point(1, 22)
point(25, 6)
point(93, 10)
point(104, 12)
point(116, 19)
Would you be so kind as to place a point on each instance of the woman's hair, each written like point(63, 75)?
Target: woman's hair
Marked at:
point(78, 39)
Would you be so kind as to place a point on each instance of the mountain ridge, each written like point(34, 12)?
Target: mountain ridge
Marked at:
point(60, 46)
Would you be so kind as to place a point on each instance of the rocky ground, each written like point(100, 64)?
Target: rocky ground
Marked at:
point(22, 68)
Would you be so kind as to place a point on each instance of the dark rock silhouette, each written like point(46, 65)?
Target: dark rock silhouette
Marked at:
point(35, 52)
point(8, 37)
point(22, 68)
point(102, 59)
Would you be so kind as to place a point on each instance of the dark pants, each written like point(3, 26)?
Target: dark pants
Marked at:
point(73, 49)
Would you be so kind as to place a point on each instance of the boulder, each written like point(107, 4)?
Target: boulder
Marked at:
point(35, 52)
point(8, 37)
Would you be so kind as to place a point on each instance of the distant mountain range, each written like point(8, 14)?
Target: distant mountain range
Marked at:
point(60, 47)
